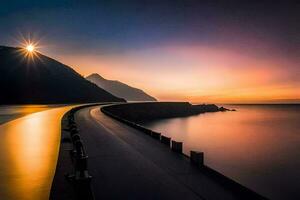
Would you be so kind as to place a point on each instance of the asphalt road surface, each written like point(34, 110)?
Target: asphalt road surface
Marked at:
point(128, 164)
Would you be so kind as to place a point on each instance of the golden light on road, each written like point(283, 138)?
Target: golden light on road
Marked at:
point(30, 48)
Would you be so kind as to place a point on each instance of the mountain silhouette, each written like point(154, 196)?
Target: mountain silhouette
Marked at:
point(39, 79)
point(120, 89)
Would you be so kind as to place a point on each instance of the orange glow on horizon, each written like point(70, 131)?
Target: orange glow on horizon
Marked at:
point(198, 74)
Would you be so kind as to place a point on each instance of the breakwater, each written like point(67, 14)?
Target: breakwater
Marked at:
point(139, 112)
point(196, 158)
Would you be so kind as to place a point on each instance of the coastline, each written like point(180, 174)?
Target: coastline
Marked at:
point(226, 181)
point(148, 111)
point(64, 165)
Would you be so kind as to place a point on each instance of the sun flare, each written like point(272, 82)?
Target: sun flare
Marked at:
point(30, 48)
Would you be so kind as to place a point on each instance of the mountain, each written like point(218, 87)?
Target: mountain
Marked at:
point(120, 89)
point(38, 79)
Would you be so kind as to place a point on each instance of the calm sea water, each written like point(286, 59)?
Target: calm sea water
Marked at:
point(258, 145)
point(11, 112)
point(29, 146)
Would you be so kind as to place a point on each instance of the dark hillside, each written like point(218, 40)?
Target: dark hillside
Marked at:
point(120, 89)
point(43, 80)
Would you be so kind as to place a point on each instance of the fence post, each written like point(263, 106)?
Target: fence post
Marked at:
point(197, 158)
point(177, 146)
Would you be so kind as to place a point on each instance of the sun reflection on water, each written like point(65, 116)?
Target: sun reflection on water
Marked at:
point(28, 153)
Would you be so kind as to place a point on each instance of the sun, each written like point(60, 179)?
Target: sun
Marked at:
point(30, 48)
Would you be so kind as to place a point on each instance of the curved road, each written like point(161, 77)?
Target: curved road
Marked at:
point(128, 164)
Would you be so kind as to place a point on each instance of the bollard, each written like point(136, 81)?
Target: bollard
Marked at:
point(70, 117)
point(177, 146)
point(71, 120)
point(71, 123)
point(82, 179)
point(155, 135)
point(147, 131)
point(72, 126)
point(73, 131)
point(76, 137)
point(79, 148)
point(137, 126)
point(197, 158)
point(81, 163)
point(81, 172)
point(165, 140)
point(131, 124)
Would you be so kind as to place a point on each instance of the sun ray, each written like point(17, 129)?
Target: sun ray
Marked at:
point(28, 42)
point(29, 49)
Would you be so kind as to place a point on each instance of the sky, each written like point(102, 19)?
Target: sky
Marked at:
point(176, 50)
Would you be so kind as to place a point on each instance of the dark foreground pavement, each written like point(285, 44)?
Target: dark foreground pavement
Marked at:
point(128, 164)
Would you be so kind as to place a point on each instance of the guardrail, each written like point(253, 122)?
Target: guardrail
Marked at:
point(79, 177)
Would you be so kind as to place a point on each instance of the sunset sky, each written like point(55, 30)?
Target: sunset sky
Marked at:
point(173, 49)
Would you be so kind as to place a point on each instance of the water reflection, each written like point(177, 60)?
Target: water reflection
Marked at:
point(28, 154)
point(8, 113)
point(259, 146)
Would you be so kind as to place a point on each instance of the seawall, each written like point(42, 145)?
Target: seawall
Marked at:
point(196, 158)
point(138, 112)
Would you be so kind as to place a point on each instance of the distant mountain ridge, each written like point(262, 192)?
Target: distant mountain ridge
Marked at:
point(120, 89)
point(44, 80)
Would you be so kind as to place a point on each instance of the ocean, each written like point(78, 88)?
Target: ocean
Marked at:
point(11, 112)
point(257, 145)
point(29, 146)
